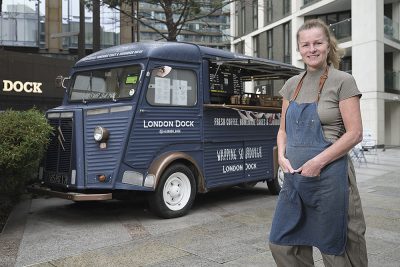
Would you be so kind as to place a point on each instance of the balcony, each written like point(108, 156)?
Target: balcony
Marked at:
point(342, 30)
point(391, 29)
point(392, 82)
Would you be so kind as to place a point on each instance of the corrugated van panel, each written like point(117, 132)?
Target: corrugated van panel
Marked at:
point(104, 161)
point(161, 129)
point(223, 163)
point(238, 149)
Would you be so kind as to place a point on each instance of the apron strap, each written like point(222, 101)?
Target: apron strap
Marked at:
point(322, 80)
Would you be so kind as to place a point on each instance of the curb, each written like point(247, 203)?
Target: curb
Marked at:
point(13, 231)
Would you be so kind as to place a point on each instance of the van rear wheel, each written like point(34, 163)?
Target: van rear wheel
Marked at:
point(276, 184)
point(175, 192)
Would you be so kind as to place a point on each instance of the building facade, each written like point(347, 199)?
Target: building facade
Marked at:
point(367, 30)
point(39, 41)
point(212, 30)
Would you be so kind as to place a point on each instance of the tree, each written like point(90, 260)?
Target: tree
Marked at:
point(177, 13)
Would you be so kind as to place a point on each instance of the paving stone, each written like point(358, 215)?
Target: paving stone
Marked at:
point(224, 228)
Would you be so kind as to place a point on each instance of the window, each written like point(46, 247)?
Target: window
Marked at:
point(287, 43)
point(105, 84)
point(237, 21)
point(306, 2)
point(268, 11)
point(332, 18)
point(345, 64)
point(339, 23)
point(269, 44)
point(243, 18)
point(255, 14)
point(256, 46)
point(286, 7)
point(172, 87)
point(239, 47)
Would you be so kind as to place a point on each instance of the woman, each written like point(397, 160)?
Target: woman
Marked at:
point(319, 204)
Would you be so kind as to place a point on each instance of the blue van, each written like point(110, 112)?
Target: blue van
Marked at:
point(172, 119)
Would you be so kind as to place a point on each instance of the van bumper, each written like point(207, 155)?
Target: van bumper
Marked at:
point(74, 196)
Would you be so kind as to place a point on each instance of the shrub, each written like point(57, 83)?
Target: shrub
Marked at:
point(24, 136)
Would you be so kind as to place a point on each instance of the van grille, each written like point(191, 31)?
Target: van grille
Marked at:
point(58, 156)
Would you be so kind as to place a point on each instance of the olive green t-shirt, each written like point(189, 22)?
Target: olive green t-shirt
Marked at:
point(339, 86)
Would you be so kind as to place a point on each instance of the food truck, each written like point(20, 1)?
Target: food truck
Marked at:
point(166, 118)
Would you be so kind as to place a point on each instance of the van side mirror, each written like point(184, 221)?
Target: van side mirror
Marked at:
point(163, 71)
point(62, 82)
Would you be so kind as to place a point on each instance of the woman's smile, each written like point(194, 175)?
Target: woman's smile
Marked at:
point(313, 48)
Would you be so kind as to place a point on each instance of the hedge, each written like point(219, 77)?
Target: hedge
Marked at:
point(24, 136)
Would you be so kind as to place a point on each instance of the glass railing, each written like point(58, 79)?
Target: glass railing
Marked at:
point(342, 30)
point(392, 82)
point(391, 28)
point(19, 29)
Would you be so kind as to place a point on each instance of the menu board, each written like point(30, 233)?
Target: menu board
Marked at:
point(225, 80)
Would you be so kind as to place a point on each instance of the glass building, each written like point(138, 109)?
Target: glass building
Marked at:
point(34, 23)
point(39, 41)
point(24, 23)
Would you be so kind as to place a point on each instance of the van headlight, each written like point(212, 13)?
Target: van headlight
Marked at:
point(101, 134)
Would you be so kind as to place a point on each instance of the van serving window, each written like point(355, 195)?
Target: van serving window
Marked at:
point(259, 68)
point(248, 81)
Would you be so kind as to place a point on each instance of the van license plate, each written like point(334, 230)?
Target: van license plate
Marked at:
point(55, 178)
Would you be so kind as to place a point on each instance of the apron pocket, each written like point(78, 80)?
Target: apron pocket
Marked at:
point(308, 189)
point(288, 191)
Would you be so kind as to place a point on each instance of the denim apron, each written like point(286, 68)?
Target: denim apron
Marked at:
point(311, 211)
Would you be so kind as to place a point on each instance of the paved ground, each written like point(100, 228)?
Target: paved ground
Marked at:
point(228, 228)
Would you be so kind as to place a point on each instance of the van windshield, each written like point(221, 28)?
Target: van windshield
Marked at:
point(105, 84)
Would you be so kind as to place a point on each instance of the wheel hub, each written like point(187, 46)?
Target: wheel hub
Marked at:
point(177, 191)
point(174, 191)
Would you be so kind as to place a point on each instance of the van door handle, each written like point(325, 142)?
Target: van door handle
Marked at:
point(142, 110)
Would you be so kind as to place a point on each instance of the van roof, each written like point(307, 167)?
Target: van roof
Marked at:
point(184, 52)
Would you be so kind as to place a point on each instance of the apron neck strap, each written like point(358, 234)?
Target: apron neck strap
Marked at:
point(322, 80)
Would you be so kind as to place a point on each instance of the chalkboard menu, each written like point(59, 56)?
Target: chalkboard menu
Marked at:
point(225, 81)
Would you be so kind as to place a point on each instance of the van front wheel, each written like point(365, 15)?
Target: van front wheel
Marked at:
point(175, 192)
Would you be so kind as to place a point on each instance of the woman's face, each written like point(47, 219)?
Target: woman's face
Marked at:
point(314, 48)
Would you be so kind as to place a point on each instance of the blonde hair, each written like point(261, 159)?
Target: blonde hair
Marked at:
point(335, 53)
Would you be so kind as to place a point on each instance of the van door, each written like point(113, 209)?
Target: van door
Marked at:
point(167, 117)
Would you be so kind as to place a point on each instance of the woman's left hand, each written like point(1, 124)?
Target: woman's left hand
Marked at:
point(310, 169)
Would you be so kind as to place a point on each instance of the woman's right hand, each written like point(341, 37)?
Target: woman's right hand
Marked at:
point(285, 165)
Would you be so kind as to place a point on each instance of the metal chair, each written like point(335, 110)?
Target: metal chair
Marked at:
point(369, 145)
point(357, 155)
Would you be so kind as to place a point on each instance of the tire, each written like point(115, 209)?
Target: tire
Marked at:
point(175, 192)
point(275, 185)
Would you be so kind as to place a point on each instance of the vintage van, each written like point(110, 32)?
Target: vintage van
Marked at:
point(172, 119)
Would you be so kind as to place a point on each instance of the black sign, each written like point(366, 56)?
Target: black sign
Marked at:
point(28, 80)
point(225, 80)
